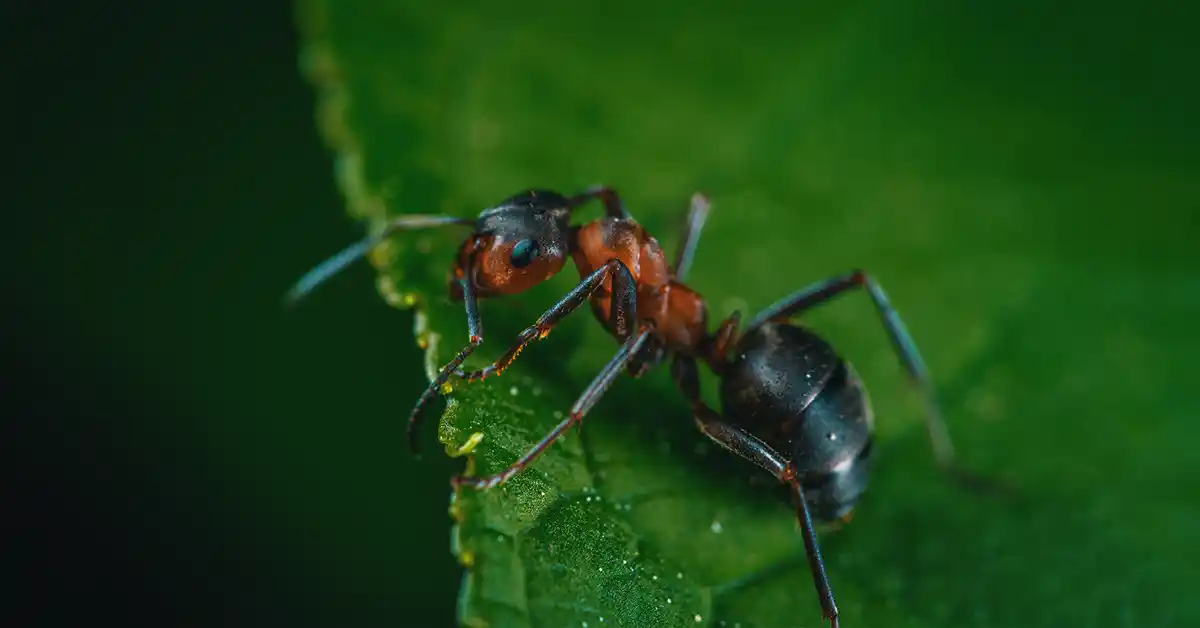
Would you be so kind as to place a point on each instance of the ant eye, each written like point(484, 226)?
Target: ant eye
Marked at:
point(523, 253)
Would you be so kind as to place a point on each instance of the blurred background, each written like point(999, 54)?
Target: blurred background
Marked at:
point(186, 452)
point(182, 452)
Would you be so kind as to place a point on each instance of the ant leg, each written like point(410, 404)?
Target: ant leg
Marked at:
point(585, 402)
point(696, 217)
point(717, 346)
point(475, 336)
point(813, 549)
point(750, 448)
point(613, 207)
point(820, 292)
point(687, 379)
point(623, 308)
point(338, 262)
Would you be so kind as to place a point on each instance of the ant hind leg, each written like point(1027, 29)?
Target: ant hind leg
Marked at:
point(906, 349)
point(761, 454)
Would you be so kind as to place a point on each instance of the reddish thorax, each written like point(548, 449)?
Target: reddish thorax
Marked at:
point(679, 314)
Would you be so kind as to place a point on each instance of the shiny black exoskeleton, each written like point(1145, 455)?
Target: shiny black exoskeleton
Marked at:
point(789, 388)
point(791, 405)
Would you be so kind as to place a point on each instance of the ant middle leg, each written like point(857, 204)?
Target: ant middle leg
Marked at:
point(696, 217)
point(748, 447)
point(823, 291)
point(590, 396)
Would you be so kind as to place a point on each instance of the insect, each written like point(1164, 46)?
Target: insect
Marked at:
point(789, 403)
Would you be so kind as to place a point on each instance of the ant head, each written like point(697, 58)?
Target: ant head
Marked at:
point(518, 244)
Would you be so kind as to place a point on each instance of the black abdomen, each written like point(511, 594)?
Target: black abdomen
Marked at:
point(787, 386)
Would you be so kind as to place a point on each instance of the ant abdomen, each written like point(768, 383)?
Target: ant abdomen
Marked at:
point(788, 387)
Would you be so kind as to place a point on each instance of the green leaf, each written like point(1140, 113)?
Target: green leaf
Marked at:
point(865, 135)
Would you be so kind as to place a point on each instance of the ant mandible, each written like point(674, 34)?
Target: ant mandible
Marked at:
point(789, 403)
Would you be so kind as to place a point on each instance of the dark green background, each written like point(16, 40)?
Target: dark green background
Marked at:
point(201, 457)
point(190, 455)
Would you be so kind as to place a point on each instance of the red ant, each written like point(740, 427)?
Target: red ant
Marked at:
point(789, 403)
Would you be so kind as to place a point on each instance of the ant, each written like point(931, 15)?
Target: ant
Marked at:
point(789, 403)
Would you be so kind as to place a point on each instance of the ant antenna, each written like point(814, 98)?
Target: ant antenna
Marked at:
point(338, 262)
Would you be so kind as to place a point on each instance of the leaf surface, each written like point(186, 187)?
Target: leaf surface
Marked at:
point(828, 139)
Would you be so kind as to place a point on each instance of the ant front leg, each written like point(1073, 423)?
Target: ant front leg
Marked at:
point(590, 396)
point(475, 338)
point(623, 309)
point(613, 207)
point(683, 370)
